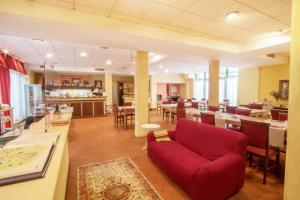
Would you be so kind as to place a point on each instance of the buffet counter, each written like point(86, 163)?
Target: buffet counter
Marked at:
point(83, 106)
point(53, 185)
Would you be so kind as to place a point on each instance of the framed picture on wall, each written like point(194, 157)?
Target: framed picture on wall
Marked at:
point(76, 81)
point(284, 89)
point(98, 84)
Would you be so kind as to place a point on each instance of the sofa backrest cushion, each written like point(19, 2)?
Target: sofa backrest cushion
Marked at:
point(209, 141)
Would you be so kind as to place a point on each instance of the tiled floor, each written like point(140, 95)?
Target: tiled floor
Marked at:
point(96, 139)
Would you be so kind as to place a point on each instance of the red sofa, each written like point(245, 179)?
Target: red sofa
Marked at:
point(205, 161)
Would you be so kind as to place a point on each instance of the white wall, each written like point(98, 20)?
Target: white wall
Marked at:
point(248, 85)
point(162, 78)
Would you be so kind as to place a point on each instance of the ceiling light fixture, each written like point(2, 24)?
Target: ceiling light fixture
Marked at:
point(49, 55)
point(160, 66)
point(166, 71)
point(83, 54)
point(231, 16)
point(5, 51)
point(108, 62)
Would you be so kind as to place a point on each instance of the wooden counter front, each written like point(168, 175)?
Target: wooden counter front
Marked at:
point(83, 107)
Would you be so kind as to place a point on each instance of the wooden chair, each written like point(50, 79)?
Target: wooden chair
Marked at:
point(213, 108)
point(129, 116)
point(275, 113)
point(119, 117)
point(127, 104)
point(195, 105)
point(208, 118)
point(166, 112)
point(244, 112)
point(180, 113)
point(282, 116)
point(256, 106)
point(231, 109)
point(258, 145)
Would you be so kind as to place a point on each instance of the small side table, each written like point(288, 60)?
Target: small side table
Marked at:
point(148, 128)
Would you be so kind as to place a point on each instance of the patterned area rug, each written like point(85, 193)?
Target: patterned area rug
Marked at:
point(117, 179)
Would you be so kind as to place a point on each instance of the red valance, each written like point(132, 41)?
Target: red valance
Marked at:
point(9, 62)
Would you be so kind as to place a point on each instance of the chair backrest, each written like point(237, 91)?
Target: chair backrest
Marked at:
point(195, 105)
point(181, 113)
point(257, 133)
point(244, 112)
point(115, 109)
point(282, 116)
point(226, 100)
point(127, 103)
point(231, 109)
point(256, 106)
point(208, 118)
point(167, 102)
point(209, 141)
point(203, 99)
point(213, 108)
point(180, 104)
point(275, 113)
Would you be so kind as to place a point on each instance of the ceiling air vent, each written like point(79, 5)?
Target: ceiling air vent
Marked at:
point(99, 69)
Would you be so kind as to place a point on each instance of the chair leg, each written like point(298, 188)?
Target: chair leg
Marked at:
point(278, 162)
point(250, 160)
point(266, 170)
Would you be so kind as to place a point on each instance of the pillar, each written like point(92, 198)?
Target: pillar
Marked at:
point(292, 180)
point(108, 87)
point(189, 86)
point(213, 94)
point(141, 93)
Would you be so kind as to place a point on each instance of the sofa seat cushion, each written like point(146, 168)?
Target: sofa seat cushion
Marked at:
point(176, 160)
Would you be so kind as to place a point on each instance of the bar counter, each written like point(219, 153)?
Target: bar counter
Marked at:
point(53, 185)
point(83, 106)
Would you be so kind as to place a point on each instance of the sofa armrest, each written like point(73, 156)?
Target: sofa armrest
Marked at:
point(172, 134)
point(220, 178)
point(150, 137)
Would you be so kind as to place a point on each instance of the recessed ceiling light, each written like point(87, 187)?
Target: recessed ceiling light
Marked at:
point(277, 32)
point(5, 51)
point(231, 16)
point(49, 55)
point(133, 62)
point(160, 66)
point(166, 71)
point(108, 62)
point(83, 54)
point(151, 54)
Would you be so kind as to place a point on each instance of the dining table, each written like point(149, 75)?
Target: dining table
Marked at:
point(173, 106)
point(277, 129)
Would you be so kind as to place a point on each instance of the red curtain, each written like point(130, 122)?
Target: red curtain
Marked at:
point(8, 62)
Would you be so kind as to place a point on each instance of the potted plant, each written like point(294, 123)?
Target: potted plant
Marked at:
point(275, 95)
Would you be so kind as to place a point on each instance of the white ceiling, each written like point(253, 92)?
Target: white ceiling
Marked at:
point(66, 40)
point(201, 18)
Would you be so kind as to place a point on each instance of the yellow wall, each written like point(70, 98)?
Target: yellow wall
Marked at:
point(269, 77)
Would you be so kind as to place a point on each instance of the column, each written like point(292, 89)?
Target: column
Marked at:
point(141, 93)
point(292, 167)
point(189, 87)
point(108, 87)
point(213, 94)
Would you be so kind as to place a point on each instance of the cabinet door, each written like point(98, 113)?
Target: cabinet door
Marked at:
point(87, 108)
point(77, 108)
point(99, 107)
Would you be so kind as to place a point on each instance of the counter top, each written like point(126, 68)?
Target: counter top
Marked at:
point(76, 98)
point(53, 185)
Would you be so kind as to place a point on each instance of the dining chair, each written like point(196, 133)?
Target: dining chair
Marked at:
point(275, 113)
point(213, 108)
point(207, 118)
point(231, 109)
point(195, 105)
point(282, 116)
point(119, 117)
point(258, 145)
point(226, 100)
point(127, 104)
point(180, 104)
point(256, 106)
point(180, 113)
point(166, 112)
point(244, 112)
point(129, 116)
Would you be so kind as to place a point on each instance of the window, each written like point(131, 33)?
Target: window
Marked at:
point(201, 85)
point(17, 95)
point(228, 85)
